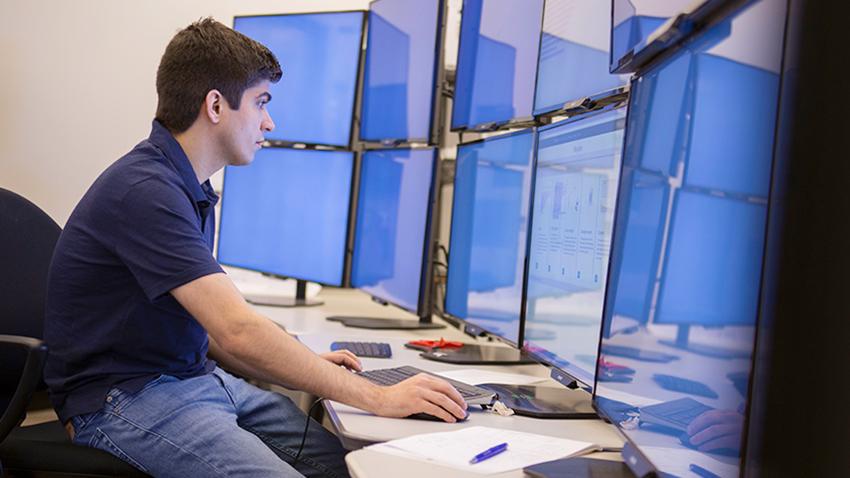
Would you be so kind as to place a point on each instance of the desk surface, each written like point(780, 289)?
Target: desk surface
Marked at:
point(357, 428)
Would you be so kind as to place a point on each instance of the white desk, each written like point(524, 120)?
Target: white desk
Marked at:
point(357, 428)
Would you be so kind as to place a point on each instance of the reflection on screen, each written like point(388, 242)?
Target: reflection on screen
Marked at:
point(267, 225)
point(497, 62)
point(400, 68)
point(319, 54)
point(688, 249)
point(576, 179)
point(635, 20)
point(489, 226)
point(392, 220)
point(574, 53)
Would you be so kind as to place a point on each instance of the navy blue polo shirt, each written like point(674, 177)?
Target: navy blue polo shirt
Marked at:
point(144, 227)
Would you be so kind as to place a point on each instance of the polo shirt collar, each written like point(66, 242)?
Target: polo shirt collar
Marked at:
point(164, 140)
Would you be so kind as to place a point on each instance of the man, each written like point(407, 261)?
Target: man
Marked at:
point(137, 303)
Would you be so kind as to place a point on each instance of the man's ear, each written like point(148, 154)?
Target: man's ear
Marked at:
point(213, 106)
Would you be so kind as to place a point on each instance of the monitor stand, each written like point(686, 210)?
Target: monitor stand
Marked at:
point(545, 402)
point(300, 299)
point(475, 354)
point(681, 342)
point(377, 323)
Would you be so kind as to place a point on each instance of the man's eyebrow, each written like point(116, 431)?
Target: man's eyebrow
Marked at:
point(265, 95)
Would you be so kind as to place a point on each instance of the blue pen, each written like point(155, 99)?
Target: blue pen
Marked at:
point(702, 471)
point(488, 453)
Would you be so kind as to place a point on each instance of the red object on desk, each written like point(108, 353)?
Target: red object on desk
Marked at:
point(437, 344)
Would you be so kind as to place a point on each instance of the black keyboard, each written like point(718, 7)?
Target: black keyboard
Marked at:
point(391, 376)
point(365, 349)
point(676, 414)
point(683, 385)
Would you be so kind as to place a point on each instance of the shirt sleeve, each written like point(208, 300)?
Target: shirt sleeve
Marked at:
point(157, 235)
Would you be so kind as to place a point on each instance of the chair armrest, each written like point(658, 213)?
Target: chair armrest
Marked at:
point(36, 355)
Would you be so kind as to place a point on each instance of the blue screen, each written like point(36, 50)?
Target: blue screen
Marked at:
point(319, 53)
point(392, 222)
point(575, 190)
point(635, 20)
point(574, 53)
point(497, 62)
point(398, 90)
point(287, 213)
point(722, 238)
point(491, 197)
point(690, 233)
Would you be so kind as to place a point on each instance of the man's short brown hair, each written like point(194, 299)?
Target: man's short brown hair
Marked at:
point(204, 56)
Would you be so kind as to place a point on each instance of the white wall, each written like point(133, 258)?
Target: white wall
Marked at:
point(77, 84)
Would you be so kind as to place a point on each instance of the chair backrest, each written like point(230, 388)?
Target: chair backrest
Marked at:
point(27, 239)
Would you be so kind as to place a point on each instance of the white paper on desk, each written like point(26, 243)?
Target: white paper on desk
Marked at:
point(474, 376)
point(456, 448)
point(677, 462)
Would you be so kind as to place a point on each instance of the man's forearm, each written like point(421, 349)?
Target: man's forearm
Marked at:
point(265, 352)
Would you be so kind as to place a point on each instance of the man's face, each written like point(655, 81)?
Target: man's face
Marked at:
point(246, 127)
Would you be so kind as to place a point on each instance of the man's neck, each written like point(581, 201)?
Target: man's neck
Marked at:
point(201, 153)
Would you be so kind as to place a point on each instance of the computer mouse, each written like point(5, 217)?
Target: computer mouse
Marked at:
point(433, 418)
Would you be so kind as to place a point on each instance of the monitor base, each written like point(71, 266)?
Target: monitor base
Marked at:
point(635, 353)
point(300, 299)
point(544, 402)
point(579, 468)
point(384, 324)
point(474, 354)
point(281, 301)
point(707, 350)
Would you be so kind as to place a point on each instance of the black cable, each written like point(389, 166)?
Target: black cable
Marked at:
point(306, 427)
point(445, 251)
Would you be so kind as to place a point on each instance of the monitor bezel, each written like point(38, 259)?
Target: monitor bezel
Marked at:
point(468, 325)
point(345, 270)
point(490, 126)
point(294, 144)
point(563, 376)
point(636, 459)
point(681, 27)
point(424, 307)
point(436, 86)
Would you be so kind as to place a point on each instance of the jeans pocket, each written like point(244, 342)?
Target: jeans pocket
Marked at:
point(101, 441)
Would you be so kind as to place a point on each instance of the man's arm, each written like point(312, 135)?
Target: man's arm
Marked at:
point(255, 346)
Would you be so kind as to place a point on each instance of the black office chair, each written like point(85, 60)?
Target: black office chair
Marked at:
point(27, 239)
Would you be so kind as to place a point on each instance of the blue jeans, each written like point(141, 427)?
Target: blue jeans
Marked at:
point(212, 425)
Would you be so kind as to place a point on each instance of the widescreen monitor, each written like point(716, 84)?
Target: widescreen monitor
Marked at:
point(497, 63)
point(674, 372)
point(392, 234)
point(574, 54)
point(320, 56)
point(633, 21)
point(490, 210)
point(401, 70)
point(287, 214)
point(575, 191)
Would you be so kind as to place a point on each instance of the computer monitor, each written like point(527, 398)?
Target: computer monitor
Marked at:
point(574, 55)
point(632, 23)
point(393, 234)
point(490, 209)
point(685, 415)
point(320, 56)
point(402, 71)
point(496, 63)
point(286, 214)
point(575, 189)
